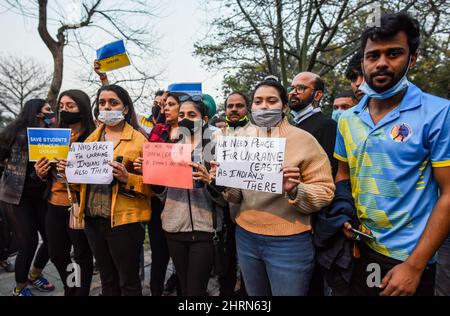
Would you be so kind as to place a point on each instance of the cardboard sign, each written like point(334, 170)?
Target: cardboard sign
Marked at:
point(167, 165)
point(89, 163)
point(50, 143)
point(251, 163)
point(113, 56)
point(194, 88)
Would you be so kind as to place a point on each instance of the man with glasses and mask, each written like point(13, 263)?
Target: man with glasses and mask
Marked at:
point(305, 93)
point(395, 150)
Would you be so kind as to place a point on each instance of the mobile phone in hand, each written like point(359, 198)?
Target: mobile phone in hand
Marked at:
point(363, 235)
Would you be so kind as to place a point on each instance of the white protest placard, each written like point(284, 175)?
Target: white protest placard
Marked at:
point(251, 163)
point(89, 163)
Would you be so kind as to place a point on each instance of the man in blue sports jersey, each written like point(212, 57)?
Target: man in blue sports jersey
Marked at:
point(394, 147)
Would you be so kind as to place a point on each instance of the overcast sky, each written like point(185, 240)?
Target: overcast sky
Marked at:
point(182, 22)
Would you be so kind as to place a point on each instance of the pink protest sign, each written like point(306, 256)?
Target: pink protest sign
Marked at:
point(167, 165)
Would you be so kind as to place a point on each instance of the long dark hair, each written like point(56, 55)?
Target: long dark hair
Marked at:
point(123, 95)
point(84, 105)
point(26, 118)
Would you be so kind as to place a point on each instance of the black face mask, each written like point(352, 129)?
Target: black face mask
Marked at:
point(158, 115)
point(190, 125)
point(155, 111)
point(70, 117)
point(240, 123)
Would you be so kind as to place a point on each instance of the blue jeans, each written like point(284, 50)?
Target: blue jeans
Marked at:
point(275, 265)
point(443, 269)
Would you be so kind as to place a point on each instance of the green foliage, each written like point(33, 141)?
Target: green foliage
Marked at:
point(243, 41)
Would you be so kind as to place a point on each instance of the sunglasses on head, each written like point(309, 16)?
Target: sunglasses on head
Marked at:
point(194, 98)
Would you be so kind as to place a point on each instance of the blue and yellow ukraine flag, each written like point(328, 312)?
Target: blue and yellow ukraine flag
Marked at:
point(113, 56)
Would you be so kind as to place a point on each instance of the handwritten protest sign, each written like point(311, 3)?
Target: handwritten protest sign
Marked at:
point(251, 163)
point(113, 56)
point(167, 164)
point(89, 163)
point(50, 143)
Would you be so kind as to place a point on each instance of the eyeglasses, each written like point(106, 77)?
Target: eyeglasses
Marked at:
point(194, 98)
point(298, 88)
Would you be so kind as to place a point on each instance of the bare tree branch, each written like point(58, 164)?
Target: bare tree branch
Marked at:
point(21, 79)
point(111, 17)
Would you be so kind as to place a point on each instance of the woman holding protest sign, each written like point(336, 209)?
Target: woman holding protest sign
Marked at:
point(114, 212)
point(273, 232)
point(23, 195)
point(74, 113)
point(188, 215)
point(162, 133)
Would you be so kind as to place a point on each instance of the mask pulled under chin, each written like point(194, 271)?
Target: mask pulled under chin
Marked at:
point(111, 118)
point(399, 86)
point(267, 118)
point(240, 123)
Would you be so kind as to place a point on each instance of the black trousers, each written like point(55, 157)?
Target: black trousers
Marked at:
point(160, 250)
point(359, 285)
point(227, 281)
point(60, 239)
point(316, 287)
point(5, 235)
point(117, 254)
point(192, 255)
point(26, 220)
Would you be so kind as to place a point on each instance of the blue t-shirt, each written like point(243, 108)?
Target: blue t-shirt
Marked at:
point(391, 167)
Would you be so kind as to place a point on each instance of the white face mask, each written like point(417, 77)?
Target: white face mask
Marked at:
point(111, 118)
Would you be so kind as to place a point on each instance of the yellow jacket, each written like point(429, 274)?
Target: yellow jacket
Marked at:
point(124, 209)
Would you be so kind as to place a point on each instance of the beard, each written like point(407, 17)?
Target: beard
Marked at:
point(369, 78)
point(296, 104)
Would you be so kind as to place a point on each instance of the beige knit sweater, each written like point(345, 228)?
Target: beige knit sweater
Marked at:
point(275, 214)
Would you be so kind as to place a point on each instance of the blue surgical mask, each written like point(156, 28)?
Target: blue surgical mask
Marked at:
point(49, 119)
point(337, 114)
point(399, 86)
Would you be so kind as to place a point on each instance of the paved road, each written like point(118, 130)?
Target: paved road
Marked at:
point(7, 280)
